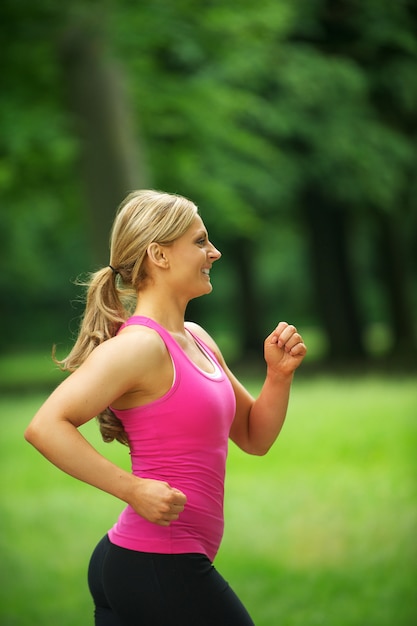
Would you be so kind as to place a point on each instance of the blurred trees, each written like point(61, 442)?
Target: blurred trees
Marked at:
point(291, 124)
point(109, 148)
point(42, 229)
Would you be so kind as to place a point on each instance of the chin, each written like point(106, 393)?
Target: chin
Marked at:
point(205, 292)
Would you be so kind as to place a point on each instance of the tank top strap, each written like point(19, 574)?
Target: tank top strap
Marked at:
point(140, 320)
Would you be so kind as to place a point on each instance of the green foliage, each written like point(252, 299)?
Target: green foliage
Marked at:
point(250, 105)
point(319, 531)
point(246, 111)
point(42, 221)
point(249, 111)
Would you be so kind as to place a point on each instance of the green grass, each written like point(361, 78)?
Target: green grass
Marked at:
point(27, 371)
point(321, 531)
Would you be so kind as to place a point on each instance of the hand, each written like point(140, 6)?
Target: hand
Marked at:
point(284, 349)
point(157, 502)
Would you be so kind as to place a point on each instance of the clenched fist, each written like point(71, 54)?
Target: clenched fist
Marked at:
point(157, 501)
point(284, 349)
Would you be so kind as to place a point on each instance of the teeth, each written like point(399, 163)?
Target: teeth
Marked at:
point(206, 272)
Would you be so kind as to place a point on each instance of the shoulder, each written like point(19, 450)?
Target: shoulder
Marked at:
point(132, 362)
point(134, 349)
point(202, 334)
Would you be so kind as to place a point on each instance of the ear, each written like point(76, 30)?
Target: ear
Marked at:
point(157, 255)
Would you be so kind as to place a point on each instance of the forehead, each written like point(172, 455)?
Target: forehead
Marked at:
point(196, 225)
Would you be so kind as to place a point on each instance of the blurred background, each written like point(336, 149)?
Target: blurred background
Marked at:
point(291, 124)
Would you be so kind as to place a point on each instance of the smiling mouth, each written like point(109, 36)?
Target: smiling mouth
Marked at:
point(206, 272)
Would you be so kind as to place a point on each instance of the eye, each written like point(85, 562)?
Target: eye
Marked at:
point(201, 241)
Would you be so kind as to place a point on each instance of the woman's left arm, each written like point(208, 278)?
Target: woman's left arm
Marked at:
point(258, 422)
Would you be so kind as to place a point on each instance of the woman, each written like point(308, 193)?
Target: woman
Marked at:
point(161, 386)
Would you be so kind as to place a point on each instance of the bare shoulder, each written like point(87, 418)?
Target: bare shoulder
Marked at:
point(140, 341)
point(128, 368)
point(204, 336)
point(134, 349)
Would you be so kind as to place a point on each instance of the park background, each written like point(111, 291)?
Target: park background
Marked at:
point(292, 124)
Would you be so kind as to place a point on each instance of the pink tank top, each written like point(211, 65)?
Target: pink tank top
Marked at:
point(180, 438)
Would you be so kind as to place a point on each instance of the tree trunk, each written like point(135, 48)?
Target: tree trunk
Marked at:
point(391, 254)
point(331, 274)
point(248, 309)
point(109, 146)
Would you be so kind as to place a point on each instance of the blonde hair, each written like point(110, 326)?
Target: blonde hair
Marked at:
point(144, 216)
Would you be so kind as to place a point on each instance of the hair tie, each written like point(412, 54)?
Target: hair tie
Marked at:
point(115, 272)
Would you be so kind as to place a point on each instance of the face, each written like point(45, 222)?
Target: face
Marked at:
point(191, 258)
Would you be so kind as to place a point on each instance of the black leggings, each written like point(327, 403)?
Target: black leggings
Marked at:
point(142, 589)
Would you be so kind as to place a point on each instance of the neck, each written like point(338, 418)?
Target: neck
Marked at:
point(167, 312)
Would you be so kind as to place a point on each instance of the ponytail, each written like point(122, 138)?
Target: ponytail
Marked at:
point(105, 312)
point(111, 428)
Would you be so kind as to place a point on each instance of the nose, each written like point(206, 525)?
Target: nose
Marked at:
point(213, 253)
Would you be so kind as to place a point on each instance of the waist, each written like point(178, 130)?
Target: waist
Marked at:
point(198, 529)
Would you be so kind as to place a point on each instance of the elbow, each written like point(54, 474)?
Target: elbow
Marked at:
point(32, 435)
point(260, 451)
point(28, 434)
point(251, 446)
point(255, 449)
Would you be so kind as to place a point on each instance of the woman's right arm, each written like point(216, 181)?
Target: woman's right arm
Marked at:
point(106, 375)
